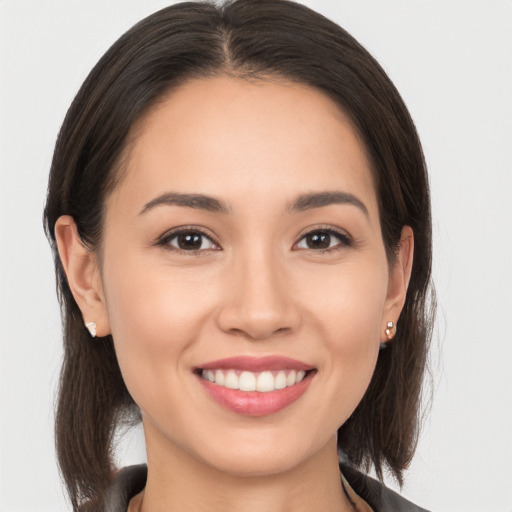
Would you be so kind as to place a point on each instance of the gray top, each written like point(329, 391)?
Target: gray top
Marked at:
point(132, 479)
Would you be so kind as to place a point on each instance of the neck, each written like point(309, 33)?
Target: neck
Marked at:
point(178, 481)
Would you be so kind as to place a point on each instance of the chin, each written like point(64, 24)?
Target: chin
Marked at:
point(258, 454)
point(256, 463)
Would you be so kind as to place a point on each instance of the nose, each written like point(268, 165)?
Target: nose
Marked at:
point(258, 299)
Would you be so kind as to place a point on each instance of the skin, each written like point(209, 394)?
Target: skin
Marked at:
point(257, 288)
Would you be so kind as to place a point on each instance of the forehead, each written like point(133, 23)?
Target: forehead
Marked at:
point(230, 136)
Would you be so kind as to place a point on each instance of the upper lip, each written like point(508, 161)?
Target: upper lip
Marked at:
point(256, 364)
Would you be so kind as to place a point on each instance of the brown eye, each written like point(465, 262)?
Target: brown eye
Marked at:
point(190, 241)
point(318, 240)
point(322, 240)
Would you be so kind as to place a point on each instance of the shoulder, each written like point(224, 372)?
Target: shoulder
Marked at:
point(379, 497)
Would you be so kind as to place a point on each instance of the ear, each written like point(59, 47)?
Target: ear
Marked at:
point(81, 268)
point(399, 276)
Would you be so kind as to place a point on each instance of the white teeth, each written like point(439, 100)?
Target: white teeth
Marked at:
point(280, 380)
point(249, 381)
point(231, 380)
point(265, 382)
point(219, 377)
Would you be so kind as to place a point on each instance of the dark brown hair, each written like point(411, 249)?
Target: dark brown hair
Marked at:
point(247, 39)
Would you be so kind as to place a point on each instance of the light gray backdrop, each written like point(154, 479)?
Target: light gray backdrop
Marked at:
point(452, 62)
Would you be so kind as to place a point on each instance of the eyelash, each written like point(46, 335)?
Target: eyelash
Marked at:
point(342, 236)
point(165, 239)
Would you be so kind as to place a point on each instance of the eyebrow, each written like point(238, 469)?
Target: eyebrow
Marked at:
point(320, 199)
point(197, 201)
point(211, 204)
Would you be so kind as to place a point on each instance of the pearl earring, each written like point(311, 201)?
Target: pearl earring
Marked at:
point(389, 327)
point(91, 327)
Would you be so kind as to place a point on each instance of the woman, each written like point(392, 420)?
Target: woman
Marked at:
point(239, 211)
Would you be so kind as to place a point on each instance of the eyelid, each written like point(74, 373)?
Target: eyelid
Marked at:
point(164, 239)
point(345, 238)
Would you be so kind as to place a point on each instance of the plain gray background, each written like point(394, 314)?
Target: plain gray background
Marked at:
point(452, 62)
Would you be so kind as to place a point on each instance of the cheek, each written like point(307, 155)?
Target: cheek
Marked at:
point(154, 319)
point(348, 317)
point(154, 301)
point(350, 304)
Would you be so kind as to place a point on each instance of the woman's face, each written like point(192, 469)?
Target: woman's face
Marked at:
point(244, 239)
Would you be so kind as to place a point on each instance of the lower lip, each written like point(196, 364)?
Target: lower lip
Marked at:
point(256, 403)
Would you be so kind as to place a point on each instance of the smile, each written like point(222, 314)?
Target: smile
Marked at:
point(263, 382)
point(255, 386)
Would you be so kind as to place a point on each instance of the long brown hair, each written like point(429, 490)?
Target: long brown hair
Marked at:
point(247, 39)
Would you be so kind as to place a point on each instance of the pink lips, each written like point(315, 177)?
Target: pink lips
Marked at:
point(257, 364)
point(255, 403)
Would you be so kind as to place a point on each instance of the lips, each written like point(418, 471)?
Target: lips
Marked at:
point(257, 364)
point(255, 386)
